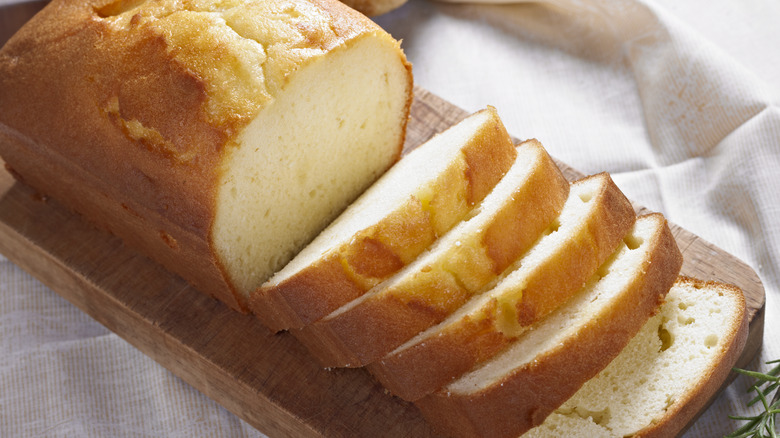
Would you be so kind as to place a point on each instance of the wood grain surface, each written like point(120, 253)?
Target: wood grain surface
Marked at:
point(268, 380)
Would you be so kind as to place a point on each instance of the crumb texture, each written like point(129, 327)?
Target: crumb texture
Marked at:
point(666, 359)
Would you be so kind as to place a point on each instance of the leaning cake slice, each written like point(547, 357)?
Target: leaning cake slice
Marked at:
point(592, 224)
point(424, 195)
point(460, 264)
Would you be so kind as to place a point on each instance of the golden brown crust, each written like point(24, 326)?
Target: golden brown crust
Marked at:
point(76, 149)
point(524, 397)
point(458, 347)
point(385, 320)
point(553, 284)
point(545, 194)
point(130, 128)
point(102, 206)
point(683, 410)
point(377, 252)
point(343, 275)
point(409, 373)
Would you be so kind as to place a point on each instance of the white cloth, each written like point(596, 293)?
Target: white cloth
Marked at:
point(64, 375)
point(678, 101)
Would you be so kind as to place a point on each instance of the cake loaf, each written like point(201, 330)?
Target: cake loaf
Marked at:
point(217, 137)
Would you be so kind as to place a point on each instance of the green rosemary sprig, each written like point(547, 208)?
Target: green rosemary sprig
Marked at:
point(762, 425)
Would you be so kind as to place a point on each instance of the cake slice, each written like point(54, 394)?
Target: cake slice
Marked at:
point(666, 374)
point(516, 389)
point(592, 224)
point(461, 263)
point(424, 195)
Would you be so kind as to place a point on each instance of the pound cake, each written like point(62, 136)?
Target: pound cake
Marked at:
point(460, 264)
point(216, 136)
point(516, 389)
point(591, 226)
point(420, 198)
point(666, 374)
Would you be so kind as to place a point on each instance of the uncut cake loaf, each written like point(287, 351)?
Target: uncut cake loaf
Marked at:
point(218, 137)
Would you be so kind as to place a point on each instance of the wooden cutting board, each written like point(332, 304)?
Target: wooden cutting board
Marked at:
point(268, 380)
